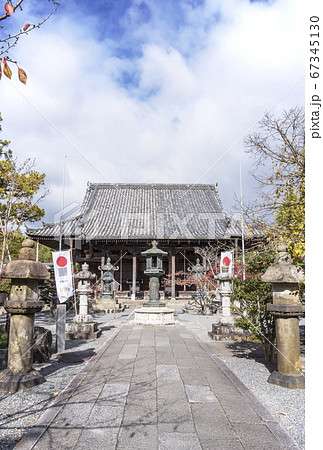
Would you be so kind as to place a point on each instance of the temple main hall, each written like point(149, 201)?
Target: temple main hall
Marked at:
point(119, 221)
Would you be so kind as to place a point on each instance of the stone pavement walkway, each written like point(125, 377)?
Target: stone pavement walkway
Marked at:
point(156, 387)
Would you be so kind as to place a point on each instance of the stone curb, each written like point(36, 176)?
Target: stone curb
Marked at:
point(35, 433)
point(277, 430)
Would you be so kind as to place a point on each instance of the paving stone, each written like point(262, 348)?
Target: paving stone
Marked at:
point(179, 441)
point(114, 394)
point(120, 374)
point(254, 435)
point(187, 363)
point(98, 438)
point(138, 437)
point(186, 336)
point(105, 416)
point(167, 372)
point(165, 358)
point(211, 422)
point(239, 410)
point(175, 416)
point(129, 351)
point(223, 444)
point(58, 438)
point(162, 341)
point(88, 390)
point(144, 413)
point(172, 390)
point(192, 376)
point(141, 392)
point(199, 394)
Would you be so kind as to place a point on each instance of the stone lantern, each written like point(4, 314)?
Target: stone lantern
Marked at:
point(154, 270)
point(286, 309)
point(154, 312)
point(198, 271)
point(108, 278)
point(83, 326)
point(225, 329)
point(23, 303)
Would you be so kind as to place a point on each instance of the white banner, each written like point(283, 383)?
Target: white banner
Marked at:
point(227, 260)
point(63, 275)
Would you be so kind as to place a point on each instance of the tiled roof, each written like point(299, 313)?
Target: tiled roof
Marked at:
point(146, 211)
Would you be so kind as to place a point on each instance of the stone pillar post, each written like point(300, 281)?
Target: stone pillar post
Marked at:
point(23, 303)
point(285, 279)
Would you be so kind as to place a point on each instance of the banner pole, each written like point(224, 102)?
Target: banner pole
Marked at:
point(242, 227)
point(62, 207)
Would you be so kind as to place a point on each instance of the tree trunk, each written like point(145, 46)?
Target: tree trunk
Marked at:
point(269, 352)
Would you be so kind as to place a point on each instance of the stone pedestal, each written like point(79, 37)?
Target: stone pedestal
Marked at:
point(154, 316)
point(83, 330)
point(22, 305)
point(286, 310)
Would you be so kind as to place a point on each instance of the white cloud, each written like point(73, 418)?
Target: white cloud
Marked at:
point(195, 90)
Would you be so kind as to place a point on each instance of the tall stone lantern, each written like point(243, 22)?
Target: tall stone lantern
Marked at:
point(154, 270)
point(83, 326)
point(286, 309)
point(25, 274)
point(108, 278)
point(154, 312)
point(225, 329)
point(198, 271)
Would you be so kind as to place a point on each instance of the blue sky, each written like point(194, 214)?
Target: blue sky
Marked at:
point(150, 91)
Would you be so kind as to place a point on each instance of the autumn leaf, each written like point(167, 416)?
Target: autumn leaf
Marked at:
point(0, 72)
point(26, 26)
point(22, 75)
point(9, 9)
point(7, 71)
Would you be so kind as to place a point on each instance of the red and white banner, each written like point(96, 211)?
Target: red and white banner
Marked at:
point(227, 260)
point(63, 275)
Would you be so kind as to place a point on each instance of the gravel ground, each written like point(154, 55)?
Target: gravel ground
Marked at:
point(20, 411)
point(247, 362)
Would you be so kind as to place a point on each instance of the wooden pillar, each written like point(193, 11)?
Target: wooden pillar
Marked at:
point(102, 264)
point(173, 277)
point(204, 263)
point(185, 270)
point(120, 273)
point(134, 275)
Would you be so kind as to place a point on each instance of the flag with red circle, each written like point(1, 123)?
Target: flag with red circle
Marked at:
point(63, 275)
point(227, 260)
